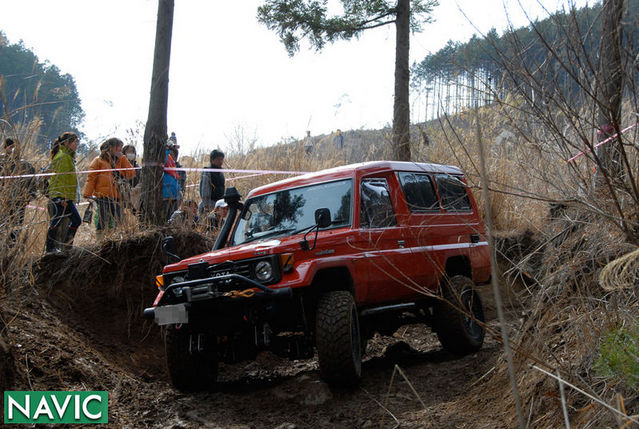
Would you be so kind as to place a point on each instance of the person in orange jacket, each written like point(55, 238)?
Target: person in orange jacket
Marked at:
point(103, 185)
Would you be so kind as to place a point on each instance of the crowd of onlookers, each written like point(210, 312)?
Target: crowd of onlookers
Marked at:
point(112, 185)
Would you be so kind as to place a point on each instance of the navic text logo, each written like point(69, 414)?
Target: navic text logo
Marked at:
point(56, 407)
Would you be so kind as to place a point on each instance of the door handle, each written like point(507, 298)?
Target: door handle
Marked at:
point(474, 238)
point(401, 244)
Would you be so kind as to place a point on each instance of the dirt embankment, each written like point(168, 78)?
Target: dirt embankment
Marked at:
point(78, 320)
point(78, 326)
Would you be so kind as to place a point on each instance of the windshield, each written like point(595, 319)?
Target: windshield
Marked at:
point(293, 210)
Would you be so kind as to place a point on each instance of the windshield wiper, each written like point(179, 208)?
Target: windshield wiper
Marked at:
point(269, 234)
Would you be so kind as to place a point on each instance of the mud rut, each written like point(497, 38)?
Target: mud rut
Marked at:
point(83, 331)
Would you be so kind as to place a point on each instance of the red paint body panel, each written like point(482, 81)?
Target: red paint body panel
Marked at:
point(388, 264)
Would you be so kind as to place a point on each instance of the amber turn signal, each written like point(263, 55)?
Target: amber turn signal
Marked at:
point(287, 260)
point(159, 282)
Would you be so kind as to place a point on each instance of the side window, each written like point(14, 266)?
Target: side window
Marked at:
point(376, 206)
point(419, 192)
point(453, 193)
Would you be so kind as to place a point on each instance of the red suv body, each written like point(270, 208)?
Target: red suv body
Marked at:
point(320, 262)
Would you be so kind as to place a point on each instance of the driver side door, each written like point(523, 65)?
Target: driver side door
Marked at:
point(381, 237)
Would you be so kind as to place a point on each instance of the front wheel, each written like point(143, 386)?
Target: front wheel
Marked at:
point(338, 339)
point(191, 365)
point(459, 317)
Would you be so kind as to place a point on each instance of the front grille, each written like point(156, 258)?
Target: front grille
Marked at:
point(242, 268)
point(218, 284)
point(202, 270)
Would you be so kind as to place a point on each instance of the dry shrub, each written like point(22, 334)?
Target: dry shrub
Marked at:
point(521, 180)
point(565, 313)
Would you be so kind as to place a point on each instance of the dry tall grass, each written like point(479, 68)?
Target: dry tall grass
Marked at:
point(565, 313)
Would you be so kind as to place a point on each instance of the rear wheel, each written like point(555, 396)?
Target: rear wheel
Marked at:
point(338, 339)
point(191, 362)
point(459, 317)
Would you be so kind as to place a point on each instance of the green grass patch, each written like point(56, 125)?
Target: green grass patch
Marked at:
point(619, 355)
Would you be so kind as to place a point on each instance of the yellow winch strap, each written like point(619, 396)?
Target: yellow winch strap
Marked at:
point(246, 293)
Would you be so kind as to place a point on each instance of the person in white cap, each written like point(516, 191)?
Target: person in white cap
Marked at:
point(218, 215)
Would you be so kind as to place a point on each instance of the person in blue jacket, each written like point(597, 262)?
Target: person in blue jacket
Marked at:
point(170, 184)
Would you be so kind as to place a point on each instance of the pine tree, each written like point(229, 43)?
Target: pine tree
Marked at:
point(155, 134)
point(294, 20)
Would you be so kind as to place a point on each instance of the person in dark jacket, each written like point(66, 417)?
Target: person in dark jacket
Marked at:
point(212, 183)
point(215, 220)
point(15, 193)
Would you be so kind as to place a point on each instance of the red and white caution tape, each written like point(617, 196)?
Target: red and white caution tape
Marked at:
point(582, 153)
point(219, 170)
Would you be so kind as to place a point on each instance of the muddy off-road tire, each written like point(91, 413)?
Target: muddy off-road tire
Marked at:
point(459, 333)
point(188, 370)
point(338, 339)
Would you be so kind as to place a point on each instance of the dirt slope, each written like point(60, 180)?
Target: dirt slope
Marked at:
point(79, 328)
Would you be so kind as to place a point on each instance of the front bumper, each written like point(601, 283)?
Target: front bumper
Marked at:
point(208, 289)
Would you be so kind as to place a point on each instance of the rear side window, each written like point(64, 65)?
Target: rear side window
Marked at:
point(419, 191)
point(453, 193)
point(376, 207)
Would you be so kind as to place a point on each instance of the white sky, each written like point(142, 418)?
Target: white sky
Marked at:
point(228, 72)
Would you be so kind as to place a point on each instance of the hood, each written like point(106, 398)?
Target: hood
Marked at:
point(243, 251)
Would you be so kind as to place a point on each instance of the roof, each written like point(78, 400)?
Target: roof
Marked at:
point(351, 170)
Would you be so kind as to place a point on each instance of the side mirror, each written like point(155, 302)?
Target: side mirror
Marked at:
point(323, 217)
point(168, 247)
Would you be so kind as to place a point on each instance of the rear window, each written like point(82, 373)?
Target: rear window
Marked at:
point(453, 193)
point(419, 192)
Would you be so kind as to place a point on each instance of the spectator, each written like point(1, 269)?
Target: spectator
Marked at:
point(170, 184)
point(308, 143)
point(212, 182)
point(186, 217)
point(174, 151)
point(131, 155)
point(136, 187)
point(63, 192)
point(172, 140)
point(338, 140)
point(16, 193)
point(217, 217)
point(106, 186)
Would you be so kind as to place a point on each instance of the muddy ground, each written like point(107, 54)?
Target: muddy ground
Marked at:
point(78, 327)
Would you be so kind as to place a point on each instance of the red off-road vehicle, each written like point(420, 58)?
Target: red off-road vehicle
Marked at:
point(322, 262)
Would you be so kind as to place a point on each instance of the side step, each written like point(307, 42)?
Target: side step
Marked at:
point(386, 308)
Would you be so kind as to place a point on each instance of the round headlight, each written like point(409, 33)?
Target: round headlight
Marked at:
point(263, 271)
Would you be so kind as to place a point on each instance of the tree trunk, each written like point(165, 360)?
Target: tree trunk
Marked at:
point(610, 92)
point(401, 109)
point(155, 133)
